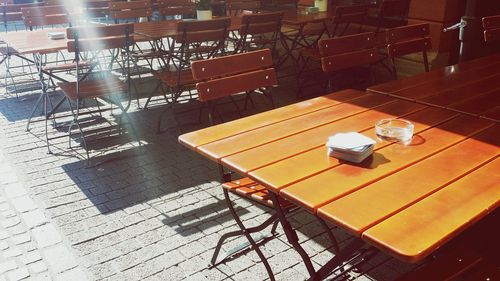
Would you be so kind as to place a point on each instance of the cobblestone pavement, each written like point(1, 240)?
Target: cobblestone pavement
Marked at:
point(154, 214)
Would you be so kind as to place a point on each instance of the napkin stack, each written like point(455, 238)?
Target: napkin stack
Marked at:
point(352, 147)
point(57, 35)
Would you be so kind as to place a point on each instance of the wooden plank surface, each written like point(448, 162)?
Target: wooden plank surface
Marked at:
point(264, 135)
point(312, 164)
point(258, 157)
point(392, 87)
point(358, 211)
point(320, 189)
point(205, 136)
point(420, 229)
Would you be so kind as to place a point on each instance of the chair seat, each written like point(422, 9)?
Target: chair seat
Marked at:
point(170, 77)
point(67, 66)
point(94, 88)
point(247, 188)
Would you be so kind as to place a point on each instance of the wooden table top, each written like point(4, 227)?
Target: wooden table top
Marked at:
point(38, 41)
point(472, 87)
point(381, 200)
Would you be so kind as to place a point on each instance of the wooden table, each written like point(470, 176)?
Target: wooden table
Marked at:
point(38, 41)
point(472, 87)
point(405, 200)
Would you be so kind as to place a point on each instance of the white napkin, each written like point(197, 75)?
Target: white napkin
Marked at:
point(349, 141)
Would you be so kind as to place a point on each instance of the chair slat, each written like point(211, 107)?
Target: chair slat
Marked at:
point(409, 47)
point(129, 14)
point(203, 25)
point(347, 43)
point(173, 11)
point(223, 66)
point(102, 31)
point(407, 32)
point(491, 22)
point(223, 87)
point(349, 60)
point(129, 5)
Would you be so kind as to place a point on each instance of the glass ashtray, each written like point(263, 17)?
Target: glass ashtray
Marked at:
point(394, 130)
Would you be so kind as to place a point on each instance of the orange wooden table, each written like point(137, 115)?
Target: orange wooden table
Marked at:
point(471, 87)
point(405, 200)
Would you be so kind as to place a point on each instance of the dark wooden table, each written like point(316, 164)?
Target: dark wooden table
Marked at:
point(471, 87)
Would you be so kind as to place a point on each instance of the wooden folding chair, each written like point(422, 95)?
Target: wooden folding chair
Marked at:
point(259, 31)
point(102, 84)
point(35, 17)
point(245, 73)
point(170, 9)
point(346, 16)
point(491, 27)
point(406, 40)
point(11, 14)
point(130, 11)
point(235, 8)
point(390, 14)
point(340, 53)
point(194, 40)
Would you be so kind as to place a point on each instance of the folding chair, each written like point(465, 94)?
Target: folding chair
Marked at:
point(392, 13)
point(226, 76)
point(11, 14)
point(407, 40)
point(491, 27)
point(92, 84)
point(170, 9)
point(259, 31)
point(130, 11)
point(43, 16)
point(340, 53)
point(235, 8)
point(347, 52)
point(347, 15)
point(195, 40)
point(222, 77)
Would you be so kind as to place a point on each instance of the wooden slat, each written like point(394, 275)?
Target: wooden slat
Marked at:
point(418, 230)
point(358, 211)
point(480, 104)
point(317, 161)
point(277, 151)
point(340, 180)
point(235, 84)
point(229, 65)
point(454, 80)
point(410, 82)
point(204, 136)
point(464, 92)
point(261, 136)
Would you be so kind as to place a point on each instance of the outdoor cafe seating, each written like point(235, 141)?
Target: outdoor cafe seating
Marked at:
point(372, 118)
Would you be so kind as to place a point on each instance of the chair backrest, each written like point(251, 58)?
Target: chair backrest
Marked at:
point(351, 13)
point(45, 16)
point(176, 8)
point(228, 75)
point(393, 13)
point(259, 31)
point(345, 15)
point(491, 27)
point(134, 10)
point(345, 52)
point(408, 39)
point(199, 31)
point(238, 7)
point(12, 12)
point(98, 38)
